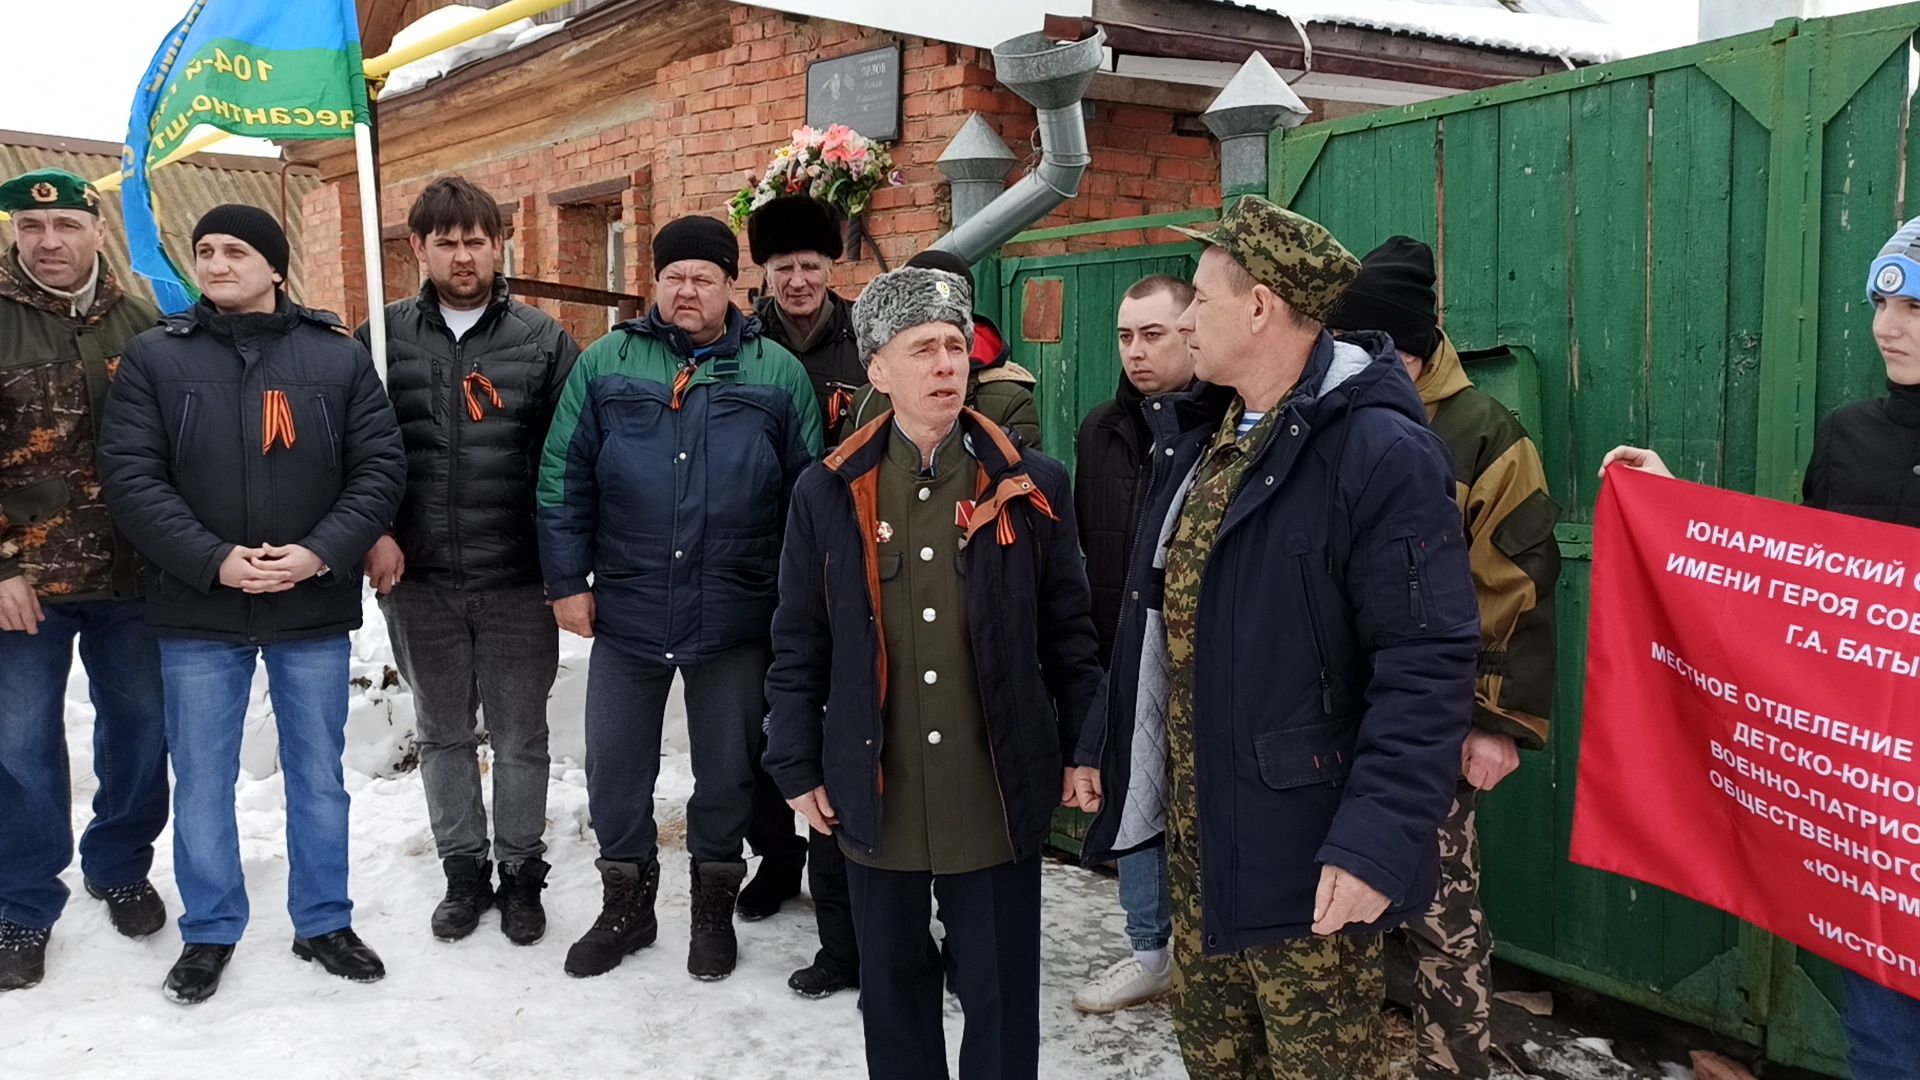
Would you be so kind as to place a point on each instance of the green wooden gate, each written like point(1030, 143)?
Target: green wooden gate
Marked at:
point(1081, 368)
point(1674, 249)
point(1671, 250)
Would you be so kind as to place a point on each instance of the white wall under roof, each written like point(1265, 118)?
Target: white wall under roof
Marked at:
point(984, 23)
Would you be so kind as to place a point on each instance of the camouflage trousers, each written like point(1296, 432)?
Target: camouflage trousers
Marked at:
point(1453, 954)
point(1307, 1009)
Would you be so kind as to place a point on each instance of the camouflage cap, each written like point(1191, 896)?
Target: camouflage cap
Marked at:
point(1294, 256)
point(49, 189)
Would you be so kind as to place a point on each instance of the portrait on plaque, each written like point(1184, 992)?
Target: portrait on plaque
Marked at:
point(861, 91)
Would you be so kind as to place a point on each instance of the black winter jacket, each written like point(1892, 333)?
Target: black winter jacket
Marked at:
point(180, 456)
point(833, 364)
point(1033, 642)
point(1335, 657)
point(1109, 455)
point(1866, 459)
point(467, 518)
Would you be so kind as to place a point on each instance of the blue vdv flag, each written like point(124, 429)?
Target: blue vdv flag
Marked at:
point(269, 70)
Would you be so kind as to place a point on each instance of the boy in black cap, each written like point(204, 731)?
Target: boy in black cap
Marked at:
point(250, 453)
point(1502, 490)
point(67, 574)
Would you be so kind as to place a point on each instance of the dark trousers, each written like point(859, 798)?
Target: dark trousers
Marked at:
point(832, 906)
point(770, 832)
point(467, 651)
point(993, 933)
point(626, 707)
point(1883, 1031)
point(129, 755)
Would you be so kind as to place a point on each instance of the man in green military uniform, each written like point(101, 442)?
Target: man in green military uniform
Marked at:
point(997, 388)
point(1293, 674)
point(66, 573)
point(934, 654)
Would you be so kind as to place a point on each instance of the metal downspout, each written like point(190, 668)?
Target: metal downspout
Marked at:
point(1052, 78)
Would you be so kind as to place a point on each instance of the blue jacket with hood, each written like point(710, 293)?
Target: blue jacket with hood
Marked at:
point(1336, 644)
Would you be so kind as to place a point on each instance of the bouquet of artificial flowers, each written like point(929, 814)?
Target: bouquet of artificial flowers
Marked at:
point(838, 166)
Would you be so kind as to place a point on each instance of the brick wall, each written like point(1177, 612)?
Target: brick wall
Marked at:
point(703, 122)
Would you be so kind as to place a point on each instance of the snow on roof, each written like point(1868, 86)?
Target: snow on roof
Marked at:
point(425, 70)
point(1561, 28)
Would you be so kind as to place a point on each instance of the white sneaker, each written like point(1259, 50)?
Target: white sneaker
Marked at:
point(1123, 986)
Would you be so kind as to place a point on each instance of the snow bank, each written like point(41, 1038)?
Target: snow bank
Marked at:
point(484, 1008)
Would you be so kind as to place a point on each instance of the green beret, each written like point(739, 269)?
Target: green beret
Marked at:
point(48, 189)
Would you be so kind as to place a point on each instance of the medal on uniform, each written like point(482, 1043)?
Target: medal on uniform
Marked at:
point(963, 513)
point(884, 533)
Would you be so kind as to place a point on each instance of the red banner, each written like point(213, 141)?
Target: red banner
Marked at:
point(1753, 715)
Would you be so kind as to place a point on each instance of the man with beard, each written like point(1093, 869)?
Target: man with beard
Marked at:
point(474, 376)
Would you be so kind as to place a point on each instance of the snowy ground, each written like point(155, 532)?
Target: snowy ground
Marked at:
point(482, 1007)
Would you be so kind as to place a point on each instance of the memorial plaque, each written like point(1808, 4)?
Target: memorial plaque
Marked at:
point(861, 91)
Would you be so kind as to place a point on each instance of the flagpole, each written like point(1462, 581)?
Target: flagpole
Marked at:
point(370, 248)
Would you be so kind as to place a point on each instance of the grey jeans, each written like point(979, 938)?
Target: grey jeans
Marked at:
point(493, 653)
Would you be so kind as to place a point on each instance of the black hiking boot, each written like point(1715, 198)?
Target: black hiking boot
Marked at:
point(522, 918)
point(196, 975)
point(776, 882)
point(626, 923)
point(342, 953)
point(818, 980)
point(714, 950)
point(469, 892)
point(23, 955)
point(135, 910)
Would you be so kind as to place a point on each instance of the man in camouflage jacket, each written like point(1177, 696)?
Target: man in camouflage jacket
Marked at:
point(1509, 517)
point(66, 573)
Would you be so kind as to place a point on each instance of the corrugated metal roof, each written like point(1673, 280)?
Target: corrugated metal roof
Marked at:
point(182, 192)
point(1558, 9)
point(1558, 28)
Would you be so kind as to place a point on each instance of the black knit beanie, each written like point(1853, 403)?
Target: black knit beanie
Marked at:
point(1395, 294)
point(935, 259)
point(251, 224)
point(696, 236)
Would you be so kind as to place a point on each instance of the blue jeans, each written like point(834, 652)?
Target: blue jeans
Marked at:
point(129, 756)
point(207, 688)
point(1143, 893)
point(1883, 1031)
